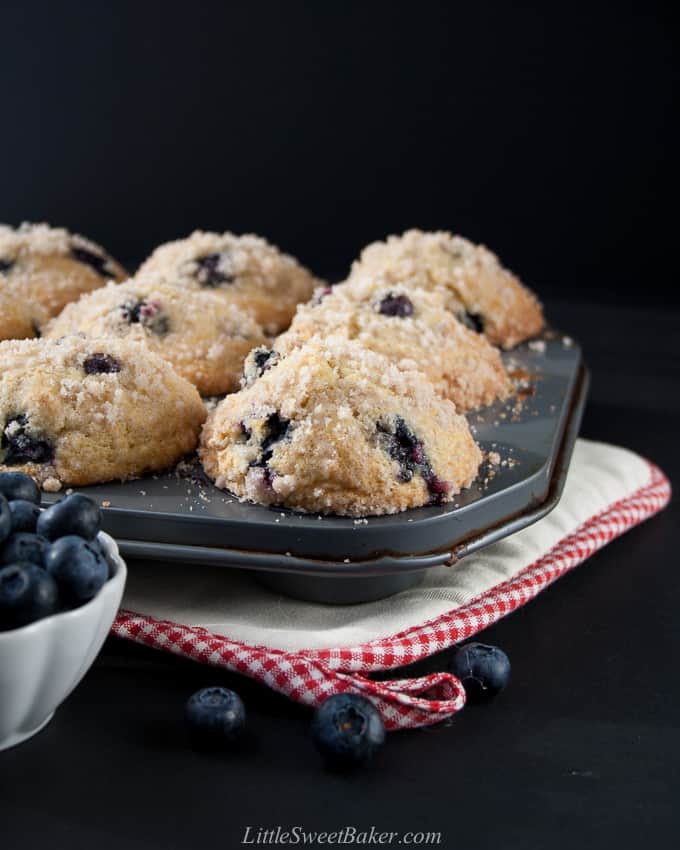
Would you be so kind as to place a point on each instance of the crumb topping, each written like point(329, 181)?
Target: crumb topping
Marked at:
point(313, 432)
point(62, 420)
point(40, 238)
point(469, 275)
point(202, 334)
point(461, 364)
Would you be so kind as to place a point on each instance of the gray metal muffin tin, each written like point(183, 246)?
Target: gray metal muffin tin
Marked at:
point(179, 517)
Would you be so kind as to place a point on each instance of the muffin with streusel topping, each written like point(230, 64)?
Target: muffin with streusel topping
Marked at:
point(478, 289)
point(411, 327)
point(79, 411)
point(203, 336)
point(44, 268)
point(249, 272)
point(337, 429)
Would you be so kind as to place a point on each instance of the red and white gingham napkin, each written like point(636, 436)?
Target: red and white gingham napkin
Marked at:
point(310, 651)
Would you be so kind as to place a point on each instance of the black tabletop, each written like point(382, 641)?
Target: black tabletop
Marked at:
point(581, 751)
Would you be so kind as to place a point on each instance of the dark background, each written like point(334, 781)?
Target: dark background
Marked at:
point(546, 133)
point(324, 125)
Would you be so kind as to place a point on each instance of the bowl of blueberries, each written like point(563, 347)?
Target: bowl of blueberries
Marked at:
point(61, 584)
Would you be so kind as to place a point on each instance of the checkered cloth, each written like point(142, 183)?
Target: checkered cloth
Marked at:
point(309, 651)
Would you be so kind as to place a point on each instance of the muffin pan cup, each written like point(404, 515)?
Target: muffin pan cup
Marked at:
point(339, 560)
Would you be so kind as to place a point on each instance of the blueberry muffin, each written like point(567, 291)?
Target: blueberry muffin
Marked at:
point(480, 292)
point(250, 272)
point(336, 428)
point(409, 326)
point(44, 268)
point(203, 336)
point(15, 317)
point(79, 411)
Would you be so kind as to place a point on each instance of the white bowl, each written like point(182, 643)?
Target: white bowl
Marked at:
point(40, 664)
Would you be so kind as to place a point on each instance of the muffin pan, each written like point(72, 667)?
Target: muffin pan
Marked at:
point(182, 517)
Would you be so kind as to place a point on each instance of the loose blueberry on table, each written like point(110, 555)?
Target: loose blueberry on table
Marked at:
point(216, 717)
point(59, 567)
point(483, 670)
point(347, 730)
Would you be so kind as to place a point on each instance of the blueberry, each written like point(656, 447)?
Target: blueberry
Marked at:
point(18, 445)
point(149, 314)
point(402, 445)
point(215, 716)
point(209, 272)
point(76, 514)
point(24, 516)
point(16, 485)
point(437, 487)
point(6, 266)
point(348, 730)
point(97, 262)
point(276, 429)
point(24, 546)
point(78, 567)
point(101, 364)
point(260, 360)
point(471, 320)
point(264, 359)
point(396, 305)
point(27, 593)
point(131, 311)
point(5, 519)
point(483, 670)
point(104, 555)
